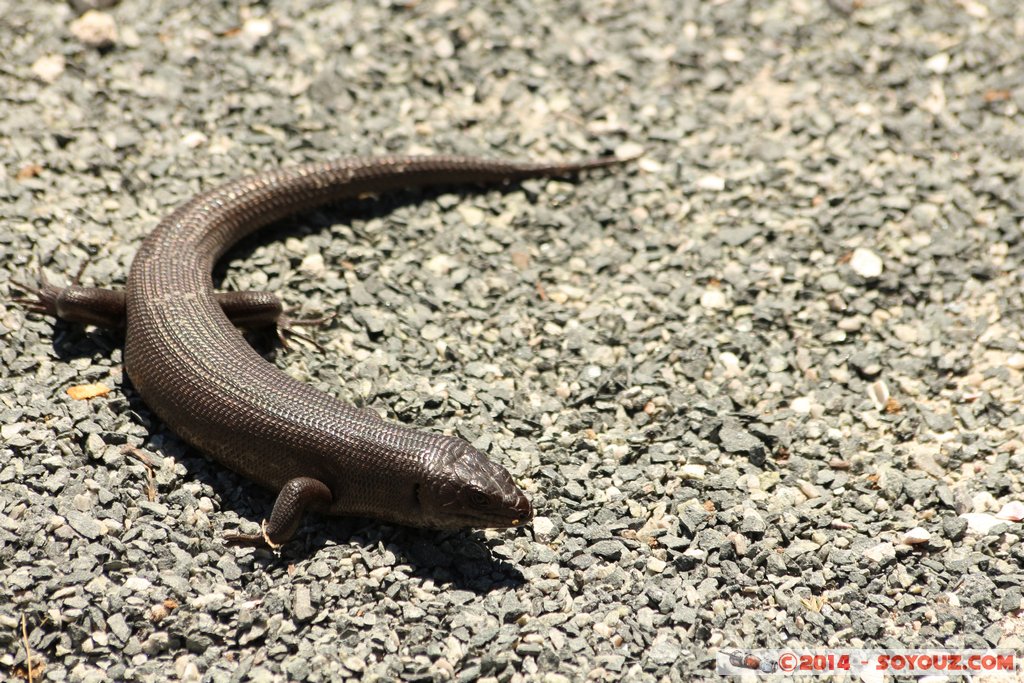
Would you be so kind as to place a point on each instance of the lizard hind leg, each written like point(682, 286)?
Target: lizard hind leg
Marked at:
point(263, 309)
point(87, 305)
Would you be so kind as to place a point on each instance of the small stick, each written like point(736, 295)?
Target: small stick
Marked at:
point(148, 464)
point(28, 650)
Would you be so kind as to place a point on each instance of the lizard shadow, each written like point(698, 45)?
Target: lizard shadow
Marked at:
point(462, 559)
point(354, 214)
point(364, 209)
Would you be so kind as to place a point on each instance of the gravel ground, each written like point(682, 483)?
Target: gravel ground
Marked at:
point(764, 386)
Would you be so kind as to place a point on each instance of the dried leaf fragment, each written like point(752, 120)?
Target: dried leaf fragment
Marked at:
point(87, 391)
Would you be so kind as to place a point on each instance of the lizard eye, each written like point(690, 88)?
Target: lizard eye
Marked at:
point(477, 498)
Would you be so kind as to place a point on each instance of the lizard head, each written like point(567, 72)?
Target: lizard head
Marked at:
point(466, 490)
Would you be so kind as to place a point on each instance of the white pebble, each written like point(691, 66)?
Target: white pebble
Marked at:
point(732, 53)
point(656, 566)
point(916, 536)
point(980, 522)
point(257, 27)
point(731, 362)
point(443, 47)
point(692, 471)
point(711, 183)
point(440, 264)
point(9, 431)
point(872, 672)
point(629, 150)
point(48, 68)
point(210, 601)
point(616, 451)
point(879, 393)
point(649, 165)
point(95, 29)
point(186, 669)
point(543, 526)
point(938, 63)
point(696, 554)
point(866, 263)
point(801, 405)
point(740, 543)
point(136, 584)
point(193, 139)
point(431, 332)
point(713, 299)
point(471, 215)
point(907, 334)
point(977, 10)
point(1013, 511)
point(881, 552)
point(313, 264)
